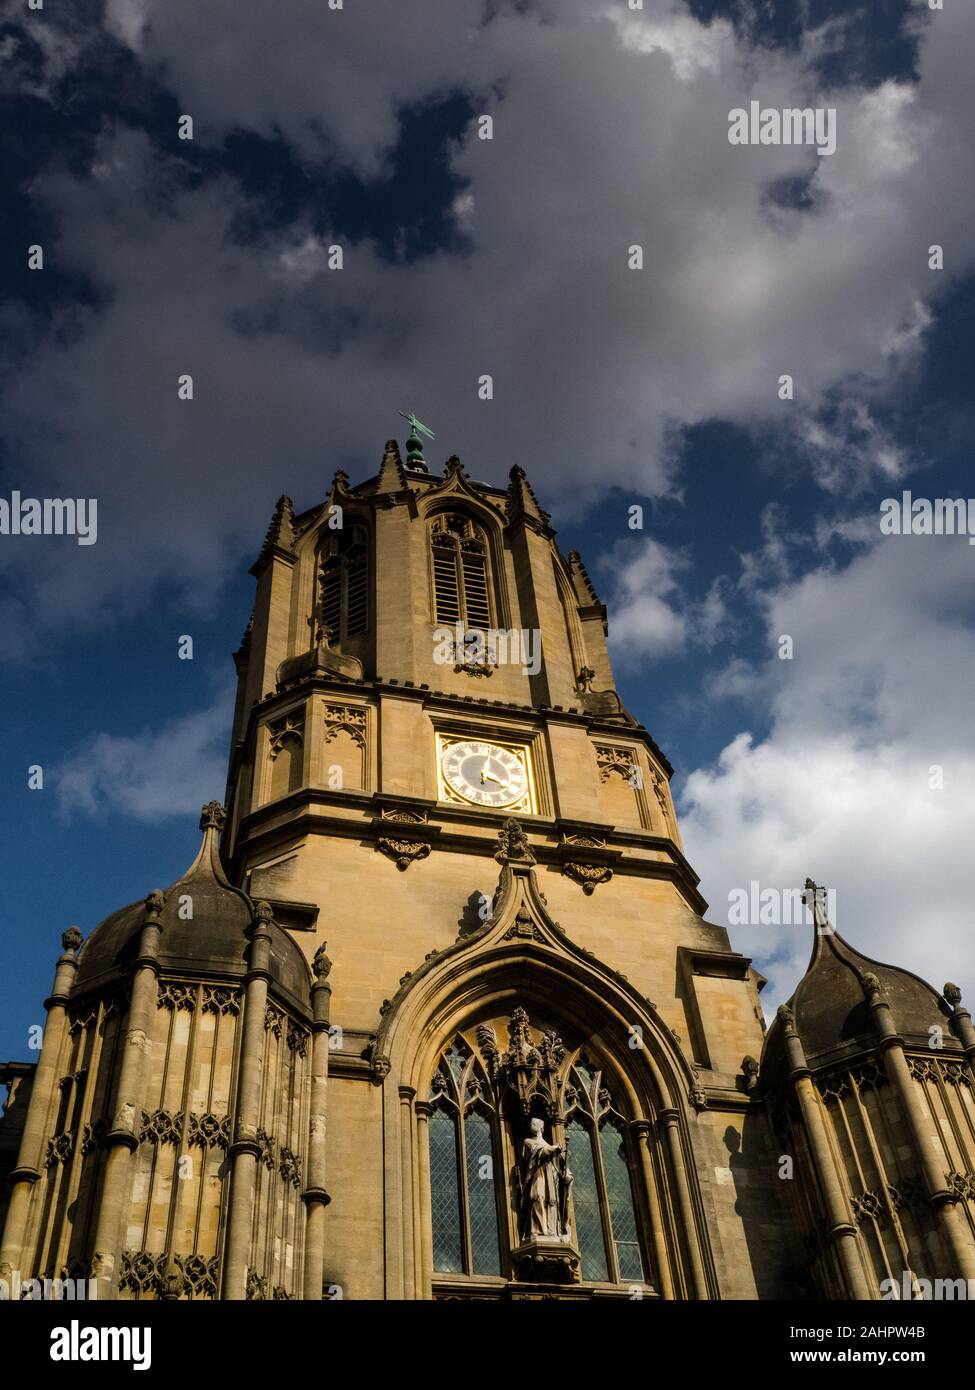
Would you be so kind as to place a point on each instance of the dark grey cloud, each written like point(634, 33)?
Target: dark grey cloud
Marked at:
point(610, 129)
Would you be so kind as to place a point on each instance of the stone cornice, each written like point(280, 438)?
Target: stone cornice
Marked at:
point(595, 724)
point(315, 811)
point(349, 1068)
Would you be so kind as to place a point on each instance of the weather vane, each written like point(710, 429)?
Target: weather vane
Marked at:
point(414, 445)
point(416, 424)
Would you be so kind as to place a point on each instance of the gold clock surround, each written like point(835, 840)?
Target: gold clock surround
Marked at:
point(451, 783)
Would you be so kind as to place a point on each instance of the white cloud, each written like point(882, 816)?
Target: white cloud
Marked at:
point(650, 613)
point(645, 621)
point(877, 698)
point(304, 260)
point(127, 19)
point(168, 771)
point(851, 451)
point(692, 48)
point(330, 80)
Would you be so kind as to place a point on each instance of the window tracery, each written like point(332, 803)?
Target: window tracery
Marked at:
point(463, 1167)
point(482, 1110)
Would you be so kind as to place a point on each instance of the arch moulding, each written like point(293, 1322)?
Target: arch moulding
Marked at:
point(521, 956)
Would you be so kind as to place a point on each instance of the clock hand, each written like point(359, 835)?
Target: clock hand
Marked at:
point(489, 776)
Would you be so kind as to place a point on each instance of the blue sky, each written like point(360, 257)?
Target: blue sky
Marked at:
point(612, 387)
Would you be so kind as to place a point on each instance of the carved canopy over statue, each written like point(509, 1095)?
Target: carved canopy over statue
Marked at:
point(527, 1080)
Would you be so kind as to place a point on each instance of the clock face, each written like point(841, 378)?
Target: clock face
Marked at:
point(485, 774)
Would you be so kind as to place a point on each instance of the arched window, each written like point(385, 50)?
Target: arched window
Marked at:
point(463, 1166)
point(460, 572)
point(605, 1221)
point(344, 582)
point(484, 1098)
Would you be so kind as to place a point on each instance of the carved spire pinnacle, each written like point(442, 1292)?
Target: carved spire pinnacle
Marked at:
point(72, 940)
point(584, 680)
point(816, 899)
point(340, 484)
point(585, 590)
point(392, 478)
point(281, 532)
point(872, 988)
point(155, 902)
point(213, 816)
point(522, 504)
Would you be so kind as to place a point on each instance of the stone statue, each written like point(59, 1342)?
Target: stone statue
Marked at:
point(545, 1180)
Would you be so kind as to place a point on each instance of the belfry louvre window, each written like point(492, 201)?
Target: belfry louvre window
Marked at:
point(463, 1166)
point(344, 581)
point(460, 572)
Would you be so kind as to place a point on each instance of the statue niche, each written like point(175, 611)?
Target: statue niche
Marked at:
point(526, 1080)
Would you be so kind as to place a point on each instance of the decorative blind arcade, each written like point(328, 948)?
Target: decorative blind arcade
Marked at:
point(460, 572)
point(345, 584)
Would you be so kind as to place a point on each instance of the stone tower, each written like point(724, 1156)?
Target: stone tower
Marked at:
point(379, 753)
point(532, 1069)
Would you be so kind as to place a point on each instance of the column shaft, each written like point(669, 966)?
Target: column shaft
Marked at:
point(425, 1279)
point(943, 1200)
point(406, 1097)
point(123, 1138)
point(669, 1119)
point(643, 1134)
point(842, 1229)
point(315, 1196)
point(31, 1153)
point(244, 1151)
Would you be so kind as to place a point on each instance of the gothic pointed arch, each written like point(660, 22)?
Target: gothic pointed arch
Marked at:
point(456, 490)
point(502, 992)
point(465, 553)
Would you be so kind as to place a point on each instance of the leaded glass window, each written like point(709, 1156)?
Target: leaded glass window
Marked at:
point(483, 1207)
point(445, 1192)
point(619, 1200)
point(477, 1130)
point(605, 1220)
point(463, 1166)
point(587, 1209)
